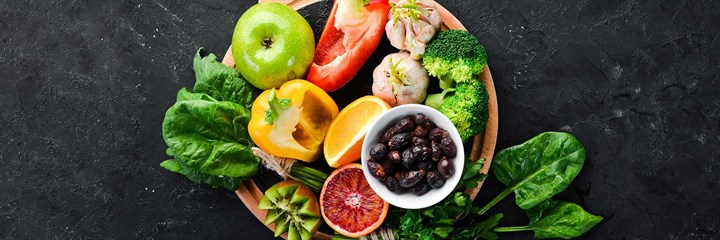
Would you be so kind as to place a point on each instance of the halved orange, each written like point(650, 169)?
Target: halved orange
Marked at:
point(343, 142)
point(348, 203)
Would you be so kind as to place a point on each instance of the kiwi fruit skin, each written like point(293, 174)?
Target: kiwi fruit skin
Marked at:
point(293, 208)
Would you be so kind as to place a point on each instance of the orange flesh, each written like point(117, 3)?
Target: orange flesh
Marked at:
point(350, 203)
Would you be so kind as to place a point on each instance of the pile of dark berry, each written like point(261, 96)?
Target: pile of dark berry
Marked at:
point(413, 154)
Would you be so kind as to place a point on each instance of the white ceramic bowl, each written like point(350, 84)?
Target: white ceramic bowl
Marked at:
point(407, 199)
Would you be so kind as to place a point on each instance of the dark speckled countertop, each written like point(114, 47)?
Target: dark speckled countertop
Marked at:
point(84, 86)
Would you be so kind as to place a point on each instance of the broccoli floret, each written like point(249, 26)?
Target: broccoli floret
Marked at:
point(457, 58)
point(454, 56)
point(467, 108)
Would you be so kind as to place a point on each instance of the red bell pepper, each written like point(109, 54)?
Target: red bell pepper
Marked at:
point(351, 34)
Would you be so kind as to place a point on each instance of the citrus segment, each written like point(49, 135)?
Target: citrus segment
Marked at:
point(349, 205)
point(343, 142)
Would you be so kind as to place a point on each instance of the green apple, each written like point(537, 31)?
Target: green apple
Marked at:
point(272, 44)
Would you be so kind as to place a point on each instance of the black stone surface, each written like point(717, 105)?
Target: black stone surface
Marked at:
point(84, 86)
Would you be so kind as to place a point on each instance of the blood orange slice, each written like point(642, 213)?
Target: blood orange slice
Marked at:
point(349, 205)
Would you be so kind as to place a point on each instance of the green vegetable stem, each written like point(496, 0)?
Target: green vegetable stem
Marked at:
point(311, 177)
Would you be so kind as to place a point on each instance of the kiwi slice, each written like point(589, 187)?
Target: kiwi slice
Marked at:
point(293, 208)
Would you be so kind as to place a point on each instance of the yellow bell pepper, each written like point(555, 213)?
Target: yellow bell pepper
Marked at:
point(292, 121)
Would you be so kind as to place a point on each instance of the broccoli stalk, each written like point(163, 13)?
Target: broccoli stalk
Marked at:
point(435, 100)
point(446, 82)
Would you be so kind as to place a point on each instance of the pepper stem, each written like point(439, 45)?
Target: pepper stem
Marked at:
point(351, 8)
point(277, 105)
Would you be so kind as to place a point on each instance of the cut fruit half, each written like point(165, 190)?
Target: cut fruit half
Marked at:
point(343, 142)
point(349, 205)
point(292, 207)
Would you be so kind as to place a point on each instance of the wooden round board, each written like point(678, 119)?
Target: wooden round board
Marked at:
point(483, 144)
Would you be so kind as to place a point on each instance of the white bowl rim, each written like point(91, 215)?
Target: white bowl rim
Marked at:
point(408, 200)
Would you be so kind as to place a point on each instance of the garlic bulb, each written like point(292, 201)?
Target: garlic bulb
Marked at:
point(411, 25)
point(399, 79)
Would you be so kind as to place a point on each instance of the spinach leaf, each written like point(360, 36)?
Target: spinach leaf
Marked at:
point(535, 170)
point(210, 136)
point(228, 183)
point(539, 168)
point(205, 130)
point(556, 219)
point(481, 230)
point(185, 94)
point(221, 82)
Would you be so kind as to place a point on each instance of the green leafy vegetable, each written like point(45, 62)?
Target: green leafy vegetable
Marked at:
point(220, 81)
point(421, 223)
point(206, 130)
point(481, 230)
point(184, 95)
point(438, 222)
point(539, 168)
point(471, 174)
point(535, 170)
point(211, 137)
point(556, 219)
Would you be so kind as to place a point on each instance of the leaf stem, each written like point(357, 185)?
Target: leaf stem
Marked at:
point(512, 229)
point(495, 200)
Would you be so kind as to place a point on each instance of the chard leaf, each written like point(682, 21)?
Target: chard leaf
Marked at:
point(210, 137)
point(221, 82)
point(539, 168)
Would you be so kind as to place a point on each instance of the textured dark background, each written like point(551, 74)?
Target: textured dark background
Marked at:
point(84, 86)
